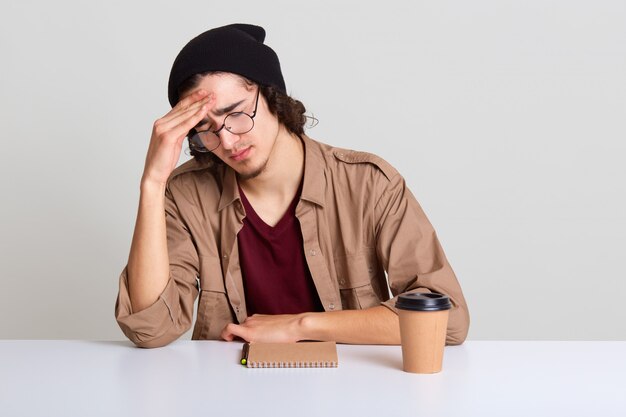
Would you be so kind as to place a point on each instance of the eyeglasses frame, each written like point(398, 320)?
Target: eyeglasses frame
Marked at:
point(216, 132)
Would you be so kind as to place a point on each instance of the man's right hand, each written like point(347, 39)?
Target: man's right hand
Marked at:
point(168, 134)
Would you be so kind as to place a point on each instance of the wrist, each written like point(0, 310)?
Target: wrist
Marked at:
point(149, 186)
point(152, 195)
point(309, 326)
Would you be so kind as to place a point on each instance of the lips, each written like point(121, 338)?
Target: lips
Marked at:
point(241, 154)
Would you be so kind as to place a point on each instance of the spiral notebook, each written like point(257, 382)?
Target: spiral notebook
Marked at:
point(290, 355)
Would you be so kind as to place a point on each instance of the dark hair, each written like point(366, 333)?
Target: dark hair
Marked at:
point(288, 111)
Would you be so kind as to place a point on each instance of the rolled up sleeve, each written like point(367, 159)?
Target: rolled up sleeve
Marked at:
point(153, 326)
point(413, 257)
point(171, 314)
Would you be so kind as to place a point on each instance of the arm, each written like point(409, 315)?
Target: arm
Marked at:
point(155, 300)
point(372, 326)
point(148, 262)
point(413, 257)
point(409, 251)
point(171, 313)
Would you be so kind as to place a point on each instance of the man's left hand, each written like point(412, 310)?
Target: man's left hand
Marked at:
point(281, 328)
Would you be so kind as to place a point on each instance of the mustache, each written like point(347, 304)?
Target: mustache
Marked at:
point(239, 149)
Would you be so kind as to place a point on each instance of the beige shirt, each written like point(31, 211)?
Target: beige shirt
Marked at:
point(363, 234)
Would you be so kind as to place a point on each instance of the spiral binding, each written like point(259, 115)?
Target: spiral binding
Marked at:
point(296, 364)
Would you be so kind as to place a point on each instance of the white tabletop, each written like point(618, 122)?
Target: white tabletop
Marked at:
point(81, 378)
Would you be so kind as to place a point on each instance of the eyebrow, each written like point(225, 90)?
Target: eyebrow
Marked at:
point(221, 112)
point(227, 109)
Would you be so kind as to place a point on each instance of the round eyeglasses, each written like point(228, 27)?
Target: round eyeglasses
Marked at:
point(236, 123)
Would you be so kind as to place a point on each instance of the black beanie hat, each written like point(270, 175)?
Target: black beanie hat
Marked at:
point(236, 48)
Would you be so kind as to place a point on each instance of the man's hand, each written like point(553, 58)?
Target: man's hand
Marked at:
point(266, 328)
point(376, 325)
point(168, 134)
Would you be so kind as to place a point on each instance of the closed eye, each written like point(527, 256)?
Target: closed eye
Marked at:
point(205, 124)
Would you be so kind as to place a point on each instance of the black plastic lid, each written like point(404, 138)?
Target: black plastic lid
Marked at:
point(423, 301)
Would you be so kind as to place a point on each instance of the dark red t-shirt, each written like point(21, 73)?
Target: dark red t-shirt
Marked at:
point(275, 274)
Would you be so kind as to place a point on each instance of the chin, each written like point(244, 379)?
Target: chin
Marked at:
point(250, 173)
point(247, 172)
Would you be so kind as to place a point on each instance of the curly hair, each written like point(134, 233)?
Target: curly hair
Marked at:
point(288, 111)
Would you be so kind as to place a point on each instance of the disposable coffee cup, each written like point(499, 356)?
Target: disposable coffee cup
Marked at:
point(423, 323)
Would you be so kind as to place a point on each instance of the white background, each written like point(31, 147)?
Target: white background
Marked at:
point(507, 118)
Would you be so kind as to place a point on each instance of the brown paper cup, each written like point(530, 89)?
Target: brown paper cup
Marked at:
point(423, 335)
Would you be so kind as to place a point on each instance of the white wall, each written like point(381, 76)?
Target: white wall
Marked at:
point(507, 119)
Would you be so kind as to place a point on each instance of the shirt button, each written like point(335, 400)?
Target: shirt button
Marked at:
point(312, 252)
point(224, 256)
point(331, 306)
point(342, 281)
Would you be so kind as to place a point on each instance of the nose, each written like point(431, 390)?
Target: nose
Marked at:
point(228, 139)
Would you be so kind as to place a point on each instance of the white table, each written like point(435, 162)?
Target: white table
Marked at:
point(82, 378)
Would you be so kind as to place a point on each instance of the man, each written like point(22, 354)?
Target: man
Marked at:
point(283, 238)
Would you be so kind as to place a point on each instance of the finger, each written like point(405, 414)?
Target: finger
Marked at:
point(227, 333)
point(186, 124)
point(187, 100)
point(179, 127)
point(173, 117)
point(227, 336)
point(234, 330)
point(185, 107)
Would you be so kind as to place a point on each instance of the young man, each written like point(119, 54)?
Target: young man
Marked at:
point(282, 237)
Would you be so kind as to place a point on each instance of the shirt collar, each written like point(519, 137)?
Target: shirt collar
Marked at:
point(314, 172)
point(230, 191)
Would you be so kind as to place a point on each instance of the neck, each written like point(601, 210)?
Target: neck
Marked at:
point(283, 172)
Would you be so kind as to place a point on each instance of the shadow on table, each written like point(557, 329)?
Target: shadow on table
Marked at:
point(118, 343)
point(387, 360)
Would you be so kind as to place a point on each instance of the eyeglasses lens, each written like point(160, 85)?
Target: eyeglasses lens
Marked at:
point(238, 123)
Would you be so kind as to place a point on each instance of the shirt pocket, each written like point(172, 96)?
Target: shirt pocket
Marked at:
point(354, 276)
point(213, 306)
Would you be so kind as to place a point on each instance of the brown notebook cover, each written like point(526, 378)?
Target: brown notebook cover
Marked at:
point(291, 355)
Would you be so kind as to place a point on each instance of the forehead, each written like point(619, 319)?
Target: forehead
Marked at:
point(223, 86)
